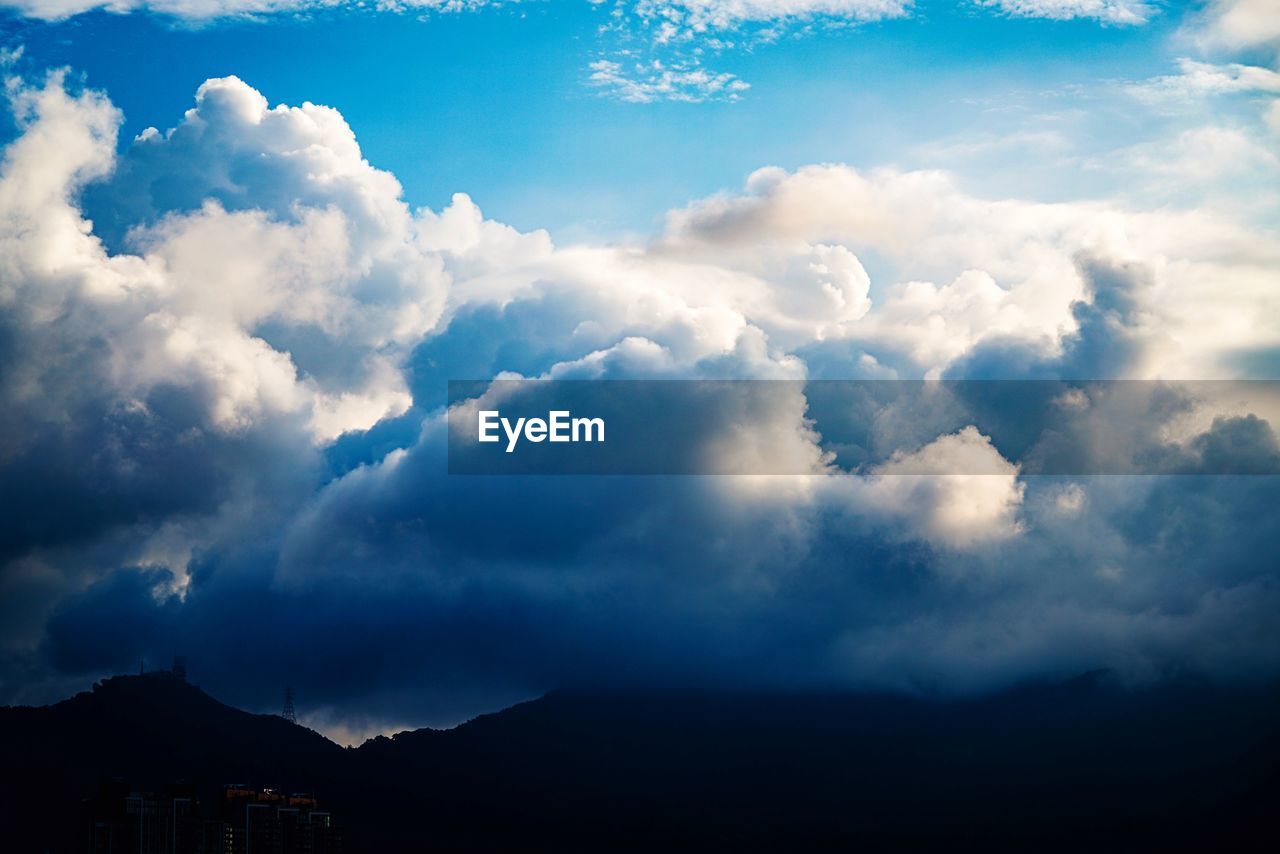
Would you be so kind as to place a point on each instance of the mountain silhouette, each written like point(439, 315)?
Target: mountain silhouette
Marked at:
point(1082, 764)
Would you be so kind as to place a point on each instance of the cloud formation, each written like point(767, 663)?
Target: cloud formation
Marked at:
point(226, 349)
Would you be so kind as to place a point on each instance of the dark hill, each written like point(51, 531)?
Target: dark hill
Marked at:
point(159, 726)
point(1083, 765)
point(153, 730)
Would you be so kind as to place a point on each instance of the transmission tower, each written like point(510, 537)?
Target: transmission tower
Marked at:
point(287, 712)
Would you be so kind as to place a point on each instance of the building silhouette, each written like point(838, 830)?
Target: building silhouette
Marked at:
point(239, 820)
point(264, 820)
point(126, 818)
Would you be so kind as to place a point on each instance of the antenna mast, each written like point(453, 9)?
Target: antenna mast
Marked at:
point(287, 712)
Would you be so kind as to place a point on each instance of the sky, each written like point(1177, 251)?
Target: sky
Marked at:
point(246, 243)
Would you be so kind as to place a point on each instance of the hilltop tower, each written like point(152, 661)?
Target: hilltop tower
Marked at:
point(287, 712)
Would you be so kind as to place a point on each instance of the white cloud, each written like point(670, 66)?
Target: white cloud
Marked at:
point(284, 237)
point(702, 15)
point(968, 269)
point(1200, 79)
point(667, 19)
point(334, 275)
point(1121, 12)
point(1238, 24)
point(958, 510)
point(205, 10)
point(644, 83)
point(693, 14)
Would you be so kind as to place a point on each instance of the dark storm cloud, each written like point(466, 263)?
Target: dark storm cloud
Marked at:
point(402, 610)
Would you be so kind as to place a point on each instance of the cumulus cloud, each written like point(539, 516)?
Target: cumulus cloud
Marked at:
point(971, 270)
point(316, 269)
point(191, 381)
point(226, 350)
point(959, 510)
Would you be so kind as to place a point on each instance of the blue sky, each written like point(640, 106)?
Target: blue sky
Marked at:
point(224, 344)
point(497, 102)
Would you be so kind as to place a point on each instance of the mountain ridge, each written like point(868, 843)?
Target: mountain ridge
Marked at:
point(1078, 763)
